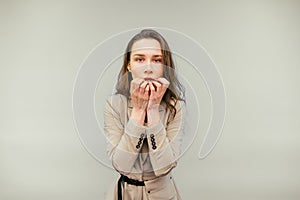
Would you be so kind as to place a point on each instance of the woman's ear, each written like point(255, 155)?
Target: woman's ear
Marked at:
point(129, 67)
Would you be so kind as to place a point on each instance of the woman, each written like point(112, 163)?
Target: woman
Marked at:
point(143, 121)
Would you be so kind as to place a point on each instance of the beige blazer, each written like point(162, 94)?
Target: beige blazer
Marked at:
point(144, 153)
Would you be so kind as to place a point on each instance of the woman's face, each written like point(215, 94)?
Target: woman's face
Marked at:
point(146, 59)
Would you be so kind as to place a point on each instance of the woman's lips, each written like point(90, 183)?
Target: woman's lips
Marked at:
point(148, 79)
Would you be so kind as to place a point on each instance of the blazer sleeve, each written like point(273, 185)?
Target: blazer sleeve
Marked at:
point(123, 141)
point(165, 142)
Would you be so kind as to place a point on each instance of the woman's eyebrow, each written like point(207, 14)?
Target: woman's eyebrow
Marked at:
point(138, 55)
point(144, 55)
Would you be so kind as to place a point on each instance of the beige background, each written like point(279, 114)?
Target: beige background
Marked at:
point(255, 44)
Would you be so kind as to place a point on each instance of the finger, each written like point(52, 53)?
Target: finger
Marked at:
point(165, 85)
point(164, 81)
point(140, 95)
point(133, 88)
point(152, 88)
point(157, 85)
point(134, 94)
point(139, 81)
point(143, 84)
point(147, 92)
point(147, 88)
point(153, 95)
point(135, 83)
point(141, 91)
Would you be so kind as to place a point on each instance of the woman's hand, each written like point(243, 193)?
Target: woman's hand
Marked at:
point(157, 90)
point(139, 91)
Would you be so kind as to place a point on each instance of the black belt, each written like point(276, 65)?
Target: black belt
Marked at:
point(130, 181)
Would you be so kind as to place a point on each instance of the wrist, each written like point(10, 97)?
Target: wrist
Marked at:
point(153, 108)
point(138, 116)
point(153, 116)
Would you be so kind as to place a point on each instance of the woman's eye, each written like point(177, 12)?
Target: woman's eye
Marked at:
point(139, 59)
point(157, 60)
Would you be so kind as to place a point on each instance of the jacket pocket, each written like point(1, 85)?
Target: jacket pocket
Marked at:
point(161, 188)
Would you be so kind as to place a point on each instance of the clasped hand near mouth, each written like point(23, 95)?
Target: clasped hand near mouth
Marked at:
point(146, 95)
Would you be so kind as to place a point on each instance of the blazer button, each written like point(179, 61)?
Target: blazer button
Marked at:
point(152, 135)
point(137, 146)
point(153, 147)
point(142, 135)
point(152, 139)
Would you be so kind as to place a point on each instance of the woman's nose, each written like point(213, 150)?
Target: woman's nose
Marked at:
point(148, 67)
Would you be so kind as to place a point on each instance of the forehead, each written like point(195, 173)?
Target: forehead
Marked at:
point(146, 46)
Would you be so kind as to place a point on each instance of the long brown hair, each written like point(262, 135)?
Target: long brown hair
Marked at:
point(175, 90)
